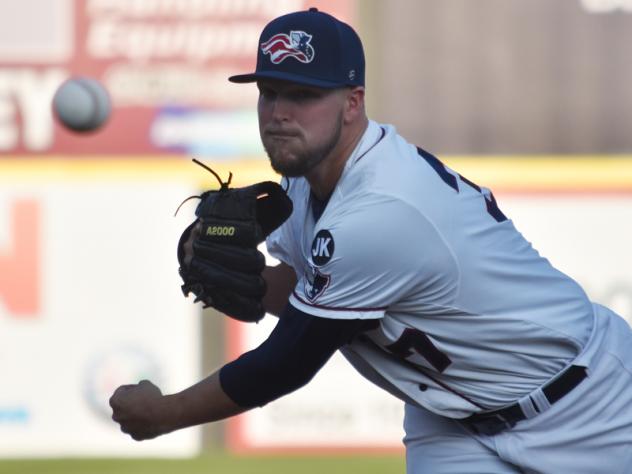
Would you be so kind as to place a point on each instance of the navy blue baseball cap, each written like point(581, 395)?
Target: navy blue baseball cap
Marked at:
point(311, 48)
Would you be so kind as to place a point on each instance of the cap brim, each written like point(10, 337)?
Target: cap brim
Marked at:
point(285, 76)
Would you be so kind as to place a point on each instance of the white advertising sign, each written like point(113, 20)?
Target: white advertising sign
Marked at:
point(89, 300)
point(585, 235)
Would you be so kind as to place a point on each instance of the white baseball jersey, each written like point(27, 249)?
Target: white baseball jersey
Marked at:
point(468, 315)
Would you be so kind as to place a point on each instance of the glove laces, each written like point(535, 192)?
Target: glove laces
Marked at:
point(223, 184)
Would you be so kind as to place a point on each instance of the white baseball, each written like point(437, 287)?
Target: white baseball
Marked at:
point(82, 104)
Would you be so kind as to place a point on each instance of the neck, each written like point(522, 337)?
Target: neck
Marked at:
point(324, 177)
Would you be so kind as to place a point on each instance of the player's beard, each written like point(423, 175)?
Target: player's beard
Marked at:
point(293, 163)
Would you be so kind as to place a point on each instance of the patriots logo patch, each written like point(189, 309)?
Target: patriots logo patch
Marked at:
point(315, 286)
point(295, 45)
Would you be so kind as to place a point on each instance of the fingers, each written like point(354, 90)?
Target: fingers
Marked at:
point(137, 431)
point(116, 402)
point(118, 396)
point(147, 385)
point(129, 405)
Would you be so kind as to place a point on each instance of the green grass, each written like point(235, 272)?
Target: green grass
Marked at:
point(213, 464)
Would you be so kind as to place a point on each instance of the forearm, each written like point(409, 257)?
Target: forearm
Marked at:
point(295, 350)
point(280, 281)
point(201, 403)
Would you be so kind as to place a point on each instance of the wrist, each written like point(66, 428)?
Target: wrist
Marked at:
point(169, 412)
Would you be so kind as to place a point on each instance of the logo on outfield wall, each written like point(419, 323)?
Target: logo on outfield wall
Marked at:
point(14, 415)
point(109, 369)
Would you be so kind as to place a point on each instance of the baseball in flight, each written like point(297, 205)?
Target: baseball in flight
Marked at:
point(82, 104)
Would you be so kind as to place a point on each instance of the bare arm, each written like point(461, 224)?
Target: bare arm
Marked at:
point(280, 281)
point(144, 413)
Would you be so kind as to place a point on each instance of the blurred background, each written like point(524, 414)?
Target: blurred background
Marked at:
point(529, 98)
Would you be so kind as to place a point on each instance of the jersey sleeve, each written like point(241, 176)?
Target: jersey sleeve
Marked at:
point(294, 351)
point(379, 256)
point(279, 244)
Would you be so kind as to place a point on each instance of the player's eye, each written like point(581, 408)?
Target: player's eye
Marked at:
point(266, 93)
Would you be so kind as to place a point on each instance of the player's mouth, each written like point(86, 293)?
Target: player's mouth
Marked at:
point(281, 134)
point(281, 137)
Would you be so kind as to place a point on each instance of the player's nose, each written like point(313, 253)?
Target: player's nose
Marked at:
point(281, 109)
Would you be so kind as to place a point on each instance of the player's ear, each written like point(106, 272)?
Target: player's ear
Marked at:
point(354, 104)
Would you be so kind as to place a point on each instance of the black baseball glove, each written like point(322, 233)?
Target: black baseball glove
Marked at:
point(218, 256)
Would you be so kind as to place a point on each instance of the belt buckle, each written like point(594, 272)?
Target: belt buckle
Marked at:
point(490, 425)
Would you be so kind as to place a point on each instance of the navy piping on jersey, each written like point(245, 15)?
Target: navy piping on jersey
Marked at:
point(331, 308)
point(293, 353)
point(372, 146)
point(447, 177)
point(319, 205)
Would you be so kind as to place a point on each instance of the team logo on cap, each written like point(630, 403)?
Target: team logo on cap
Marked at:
point(295, 45)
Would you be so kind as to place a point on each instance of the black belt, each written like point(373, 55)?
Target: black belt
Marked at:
point(493, 422)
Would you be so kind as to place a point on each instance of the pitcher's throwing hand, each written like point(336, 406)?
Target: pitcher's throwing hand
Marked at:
point(137, 408)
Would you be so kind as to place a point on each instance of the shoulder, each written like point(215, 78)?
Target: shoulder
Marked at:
point(371, 254)
point(380, 230)
point(394, 166)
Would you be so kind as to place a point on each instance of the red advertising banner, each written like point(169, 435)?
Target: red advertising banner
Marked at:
point(164, 63)
point(20, 260)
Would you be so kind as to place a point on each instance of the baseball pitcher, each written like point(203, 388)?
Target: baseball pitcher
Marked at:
point(411, 270)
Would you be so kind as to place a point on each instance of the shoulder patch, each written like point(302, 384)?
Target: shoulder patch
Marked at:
point(322, 247)
point(315, 284)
